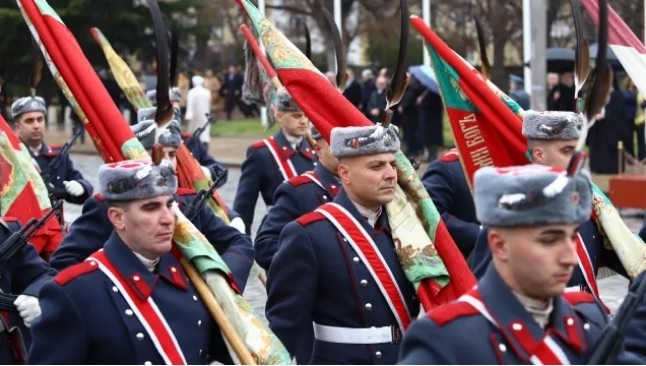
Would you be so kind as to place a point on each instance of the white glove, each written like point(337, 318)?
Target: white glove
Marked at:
point(238, 224)
point(74, 188)
point(207, 172)
point(28, 307)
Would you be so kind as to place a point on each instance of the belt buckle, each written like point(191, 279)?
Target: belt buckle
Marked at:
point(396, 334)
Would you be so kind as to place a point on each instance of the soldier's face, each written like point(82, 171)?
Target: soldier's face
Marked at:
point(556, 154)
point(293, 123)
point(369, 180)
point(325, 156)
point(30, 127)
point(170, 154)
point(146, 226)
point(535, 261)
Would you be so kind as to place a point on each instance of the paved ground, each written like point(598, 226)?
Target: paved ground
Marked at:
point(613, 288)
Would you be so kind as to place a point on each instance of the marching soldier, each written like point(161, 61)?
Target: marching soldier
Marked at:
point(88, 232)
point(634, 337)
point(323, 275)
point(519, 312)
point(25, 273)
point(274, 160)
point(29, 120)
point(551, 140)
point(130, 303)
point(296, 197)
point(445, 182)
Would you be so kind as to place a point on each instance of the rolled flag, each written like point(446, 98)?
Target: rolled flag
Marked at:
point(23, 193)
point(433, 264)
point(122, 74)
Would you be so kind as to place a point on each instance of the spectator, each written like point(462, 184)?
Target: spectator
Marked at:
point(353, 90)
point(198, 105)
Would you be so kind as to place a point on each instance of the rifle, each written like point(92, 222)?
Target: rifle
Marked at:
point(611, 342)
point(14, 243)
point(192, 209)
point(195, 137)
point(52, 168)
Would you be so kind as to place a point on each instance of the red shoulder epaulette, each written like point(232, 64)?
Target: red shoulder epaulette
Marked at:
point(451, 311)
point(578, 297)
point(9, 219)
point(185, 191)
point(70, 273)
point(186, 135)
point(54, 147)
point(258, 144)
point(99, 197)
point(299, 180)
point(309, 218)
point(451, 155)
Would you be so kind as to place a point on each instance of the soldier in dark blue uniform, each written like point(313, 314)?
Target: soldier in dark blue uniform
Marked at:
point(323, 275)
point(130, 303)
point(274, 160)
point(23, 275)
point(294, 198)
point(551, 139)
point(445, 182)
point(29, 119)
point(88, 232)
point(519, 312)
point(636, 331)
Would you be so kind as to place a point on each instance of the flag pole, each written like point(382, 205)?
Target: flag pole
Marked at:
point(263, 110)
point(527, 45)
point(426, 15)
point(338, 20)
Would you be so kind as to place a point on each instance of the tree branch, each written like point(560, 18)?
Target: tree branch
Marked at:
point(290, 9)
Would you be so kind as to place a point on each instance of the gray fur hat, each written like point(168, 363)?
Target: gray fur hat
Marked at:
point(28, 104)
point(136, 179)
point(152, 96)
point(144, 114)
point(284, 102)
point(148, 134)
point(316, 135)
point(530, 195)
point(368, 140)
point(552, 125)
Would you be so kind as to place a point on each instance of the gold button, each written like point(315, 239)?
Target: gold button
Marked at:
point(140, 336)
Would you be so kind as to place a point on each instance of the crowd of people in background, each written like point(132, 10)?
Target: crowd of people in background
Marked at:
point(419, 116)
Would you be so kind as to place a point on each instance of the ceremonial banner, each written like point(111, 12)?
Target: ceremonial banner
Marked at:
point(468, 97)
point(84, 90)
point(630, 51)
point(189, 171)
point(23, 193)
point(432, 262)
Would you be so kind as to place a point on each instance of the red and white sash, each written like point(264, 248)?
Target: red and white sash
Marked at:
point(548, 352)
point(146, 311)
point(367, 250)
point(284, 165)
point(586, 267)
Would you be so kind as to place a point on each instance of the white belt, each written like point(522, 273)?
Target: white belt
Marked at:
point(373, 335)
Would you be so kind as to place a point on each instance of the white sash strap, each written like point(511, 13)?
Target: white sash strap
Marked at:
point(343, 335)
point(284, 165)
point(549, 352)
point(146, 311)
